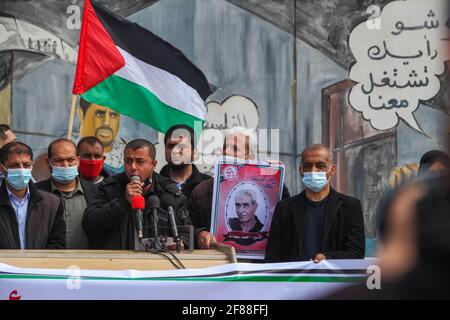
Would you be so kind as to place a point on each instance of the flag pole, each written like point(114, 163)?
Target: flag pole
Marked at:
point(71, 117)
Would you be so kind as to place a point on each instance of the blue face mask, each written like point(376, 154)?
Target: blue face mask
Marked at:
point(19, 178)
point(64, 174)
point(315, 181)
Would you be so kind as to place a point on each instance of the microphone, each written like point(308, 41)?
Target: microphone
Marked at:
point(174, 227)
point(153, 203)
point(166, 199)
point(137, 205)
point(135, 177)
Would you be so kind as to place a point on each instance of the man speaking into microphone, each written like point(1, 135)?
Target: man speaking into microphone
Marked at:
point(110, 221)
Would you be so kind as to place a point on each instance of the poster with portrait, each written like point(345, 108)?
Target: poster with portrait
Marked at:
point(244, 199)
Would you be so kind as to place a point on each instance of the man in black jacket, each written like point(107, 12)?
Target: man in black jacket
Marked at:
point(29, 218)
point(109, 220)
point(76, 194)
point(240, 143)
point(318, 223)
point(179, 143)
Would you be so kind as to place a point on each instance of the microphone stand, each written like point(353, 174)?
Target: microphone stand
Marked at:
point(173, 225)
point(156, 244)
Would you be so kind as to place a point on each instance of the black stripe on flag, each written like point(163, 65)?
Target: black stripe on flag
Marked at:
point(148, 47)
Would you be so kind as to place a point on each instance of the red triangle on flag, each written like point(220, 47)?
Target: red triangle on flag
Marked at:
point(98, 57)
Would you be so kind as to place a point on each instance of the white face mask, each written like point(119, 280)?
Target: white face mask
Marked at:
point(64, 174)
point(19, 178)
point(315, 181)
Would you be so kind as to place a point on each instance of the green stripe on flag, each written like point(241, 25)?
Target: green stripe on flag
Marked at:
point(137, 102)
point(198, 279)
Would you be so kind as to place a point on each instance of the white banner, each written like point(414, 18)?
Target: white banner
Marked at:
point(238, 281)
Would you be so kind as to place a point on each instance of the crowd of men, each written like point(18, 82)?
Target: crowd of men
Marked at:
point(83, 206)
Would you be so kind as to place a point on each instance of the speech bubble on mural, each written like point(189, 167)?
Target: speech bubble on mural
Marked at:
point(398, 63)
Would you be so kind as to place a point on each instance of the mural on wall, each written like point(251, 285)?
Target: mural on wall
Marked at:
point(327, 31)
point(39, 42)
point(234, 111)
point(17, 34)
point(399, 58)
point(102, 123)
point(244, 47)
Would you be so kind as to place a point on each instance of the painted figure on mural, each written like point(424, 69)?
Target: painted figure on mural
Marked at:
point(102, 123)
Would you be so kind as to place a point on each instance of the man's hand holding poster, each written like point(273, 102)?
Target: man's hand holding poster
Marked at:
point(244, 199)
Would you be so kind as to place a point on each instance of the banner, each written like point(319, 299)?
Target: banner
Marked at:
point(238, 281)
point(244, 199)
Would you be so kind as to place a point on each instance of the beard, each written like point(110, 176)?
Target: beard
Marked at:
point(178, 167)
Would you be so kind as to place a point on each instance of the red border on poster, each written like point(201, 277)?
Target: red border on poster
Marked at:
point(265, 180)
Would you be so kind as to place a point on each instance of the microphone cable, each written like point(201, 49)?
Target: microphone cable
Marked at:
point(177, 263)
point(176, 258)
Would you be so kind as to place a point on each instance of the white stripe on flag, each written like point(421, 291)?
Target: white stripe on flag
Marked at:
point(167, 87)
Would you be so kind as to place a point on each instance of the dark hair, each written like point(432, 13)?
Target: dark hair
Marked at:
point(90, 140)
point(14, 147)
point(3, 129)
point(182, 127)
point(318, 146)
point(141, 143)
point(84, 105)
point(50, 146)
point(430, 158)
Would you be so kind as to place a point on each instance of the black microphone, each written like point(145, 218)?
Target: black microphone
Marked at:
point(167, 200)
point(137, 205)
point(153, 203)
point(174, 227)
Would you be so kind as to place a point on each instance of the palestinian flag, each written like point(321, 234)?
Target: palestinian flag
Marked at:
point(132, 71)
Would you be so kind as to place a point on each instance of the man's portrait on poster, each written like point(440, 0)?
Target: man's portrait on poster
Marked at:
point(246, 211)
